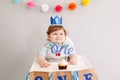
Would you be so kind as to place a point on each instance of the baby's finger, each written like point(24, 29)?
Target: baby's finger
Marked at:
point(72, 62)
point(42, 65)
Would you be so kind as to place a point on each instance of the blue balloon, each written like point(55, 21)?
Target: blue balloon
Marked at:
point(16, 1)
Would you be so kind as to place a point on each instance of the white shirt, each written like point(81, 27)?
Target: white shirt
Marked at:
point(55, 52)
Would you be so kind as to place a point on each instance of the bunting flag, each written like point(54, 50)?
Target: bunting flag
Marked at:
point(57, 7)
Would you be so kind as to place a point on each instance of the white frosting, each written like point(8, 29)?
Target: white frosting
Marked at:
point(63, 62)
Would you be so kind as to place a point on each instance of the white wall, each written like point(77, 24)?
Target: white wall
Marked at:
point(93, 29)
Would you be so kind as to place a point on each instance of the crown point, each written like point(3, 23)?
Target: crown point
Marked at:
point(56, 20)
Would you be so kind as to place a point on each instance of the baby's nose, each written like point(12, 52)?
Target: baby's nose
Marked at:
point(58, 36)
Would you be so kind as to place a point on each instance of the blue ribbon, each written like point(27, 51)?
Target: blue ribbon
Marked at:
point(28, 76)
point(75, 75)
point(50, 76)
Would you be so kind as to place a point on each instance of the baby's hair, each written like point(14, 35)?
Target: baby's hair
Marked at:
point(53, 28)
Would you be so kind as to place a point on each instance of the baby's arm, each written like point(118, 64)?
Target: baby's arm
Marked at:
point(42, 62)
point(73, 59)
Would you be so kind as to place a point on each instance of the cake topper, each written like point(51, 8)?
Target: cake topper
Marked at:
point(56, 20)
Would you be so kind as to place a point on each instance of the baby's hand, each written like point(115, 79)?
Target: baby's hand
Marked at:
point(73, 61)
point(44, 64)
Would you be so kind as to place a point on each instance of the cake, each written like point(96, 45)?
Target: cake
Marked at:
point(62, 64)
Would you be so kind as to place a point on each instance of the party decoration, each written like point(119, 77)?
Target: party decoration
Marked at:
point(72, 6)
point(85, 2)
point(16, 1)
point(62, 75)
point(58, 8)
point(56, 20)
point(30, 4)
point(44, 7)
point(39, 76)
point(75, 72)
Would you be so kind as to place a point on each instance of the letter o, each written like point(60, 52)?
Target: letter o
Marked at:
point(38, 78)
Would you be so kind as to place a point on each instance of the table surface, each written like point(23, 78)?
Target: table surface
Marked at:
point(81, 65)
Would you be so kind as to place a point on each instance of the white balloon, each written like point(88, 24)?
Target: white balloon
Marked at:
point(44, 7)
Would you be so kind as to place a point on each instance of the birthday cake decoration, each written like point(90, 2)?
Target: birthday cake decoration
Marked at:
point(56, 20)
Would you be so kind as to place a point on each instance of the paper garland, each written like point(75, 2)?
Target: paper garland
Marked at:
point(30, 4)
point(17, 1)
point(85, 2)
point(72, 6)
point(57, 7)
point(44, 7)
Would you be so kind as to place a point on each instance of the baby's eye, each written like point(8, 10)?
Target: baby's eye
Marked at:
point(61, 34)
point(55, 34)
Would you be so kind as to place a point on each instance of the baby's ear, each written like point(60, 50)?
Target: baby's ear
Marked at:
point(48, 36)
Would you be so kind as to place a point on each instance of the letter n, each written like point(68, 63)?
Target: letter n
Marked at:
point(62, 78)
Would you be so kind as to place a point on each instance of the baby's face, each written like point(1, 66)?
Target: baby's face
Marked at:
point(57, 36)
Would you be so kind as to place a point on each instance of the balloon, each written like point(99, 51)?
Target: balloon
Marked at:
point(16, 1)
point(58, 8)
point(85, 2)
point(30, 4)
point(72, 6)
point(44, 7)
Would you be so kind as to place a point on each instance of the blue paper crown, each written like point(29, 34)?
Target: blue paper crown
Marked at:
point(57, 20)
